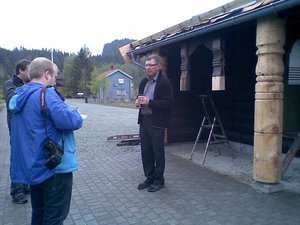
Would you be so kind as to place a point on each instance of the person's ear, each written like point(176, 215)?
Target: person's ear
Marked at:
point(47, 74)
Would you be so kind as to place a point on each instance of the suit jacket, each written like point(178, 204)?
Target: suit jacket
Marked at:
point(162, 102)
point(8, 91)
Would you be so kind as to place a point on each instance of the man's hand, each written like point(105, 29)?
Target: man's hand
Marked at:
point(142, 100)
point(137, 103)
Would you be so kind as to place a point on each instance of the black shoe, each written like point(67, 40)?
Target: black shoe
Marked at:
point(144, 185)
point(154, 188)
point(20, 199)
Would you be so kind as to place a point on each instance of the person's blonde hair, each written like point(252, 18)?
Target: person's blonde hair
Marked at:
point(39, 66)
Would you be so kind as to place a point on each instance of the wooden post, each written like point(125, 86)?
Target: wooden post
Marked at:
point(164, 69)
point(185, 70)
point(218, 63)
point(270, 40)
point(164, 65)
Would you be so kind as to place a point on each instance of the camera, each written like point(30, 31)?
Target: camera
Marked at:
point(53, 153)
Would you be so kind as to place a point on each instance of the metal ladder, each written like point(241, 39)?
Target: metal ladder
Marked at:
point(212, 121)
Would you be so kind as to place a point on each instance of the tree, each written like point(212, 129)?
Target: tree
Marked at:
point(94, 87)
point(84, 61)
point(72, 76)
point(9, 59)
point(76, 76)
point(103, 85)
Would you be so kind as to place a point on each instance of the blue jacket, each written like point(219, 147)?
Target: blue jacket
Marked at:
point(28, 133)
point(69, 160)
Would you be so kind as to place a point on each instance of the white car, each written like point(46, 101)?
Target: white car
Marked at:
point(80, 95)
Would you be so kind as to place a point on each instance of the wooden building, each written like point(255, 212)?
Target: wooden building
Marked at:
point(246, 56)
point(119, 86)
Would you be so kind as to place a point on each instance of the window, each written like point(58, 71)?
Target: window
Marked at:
point(121, 92)
point(294, 65)
point(121, 81)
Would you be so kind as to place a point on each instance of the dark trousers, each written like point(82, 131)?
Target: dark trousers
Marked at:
point(18, 190)
point(152, 149)
point(51, 200)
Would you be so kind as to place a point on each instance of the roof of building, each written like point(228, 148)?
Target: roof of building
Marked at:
point(233, 13)
point(111, 72)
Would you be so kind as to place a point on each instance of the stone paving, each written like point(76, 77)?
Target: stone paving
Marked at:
point(105, 186)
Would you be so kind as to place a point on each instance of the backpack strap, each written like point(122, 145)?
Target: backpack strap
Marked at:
point(44, 111)
point(43, 102)
point(44, 107)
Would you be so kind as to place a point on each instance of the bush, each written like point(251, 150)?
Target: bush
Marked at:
point(2, 102)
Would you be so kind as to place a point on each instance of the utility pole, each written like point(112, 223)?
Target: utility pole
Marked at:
point(52, 54)
point(85, 86)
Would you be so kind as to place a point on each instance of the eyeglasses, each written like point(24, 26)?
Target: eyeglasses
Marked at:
point(150, 65)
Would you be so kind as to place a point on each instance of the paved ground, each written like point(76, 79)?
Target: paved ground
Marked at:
point(105, 186)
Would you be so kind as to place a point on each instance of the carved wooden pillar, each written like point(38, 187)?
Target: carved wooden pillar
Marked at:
point(218, 76)
point(270, 40)
point(185, 68)
point(164, 65)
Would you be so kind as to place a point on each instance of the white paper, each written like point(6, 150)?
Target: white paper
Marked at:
point(83, 116)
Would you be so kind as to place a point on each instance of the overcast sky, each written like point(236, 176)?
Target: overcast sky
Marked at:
point(68, 25)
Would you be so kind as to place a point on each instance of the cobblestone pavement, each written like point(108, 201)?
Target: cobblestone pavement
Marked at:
point(105, 186)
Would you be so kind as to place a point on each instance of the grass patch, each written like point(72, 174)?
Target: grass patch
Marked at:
point(122, 105)
point(2, 102)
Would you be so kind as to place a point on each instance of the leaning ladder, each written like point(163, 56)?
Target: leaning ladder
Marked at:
point(211, 120)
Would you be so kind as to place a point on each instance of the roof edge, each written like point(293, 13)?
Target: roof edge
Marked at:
point(234, 20)
point(197, 18)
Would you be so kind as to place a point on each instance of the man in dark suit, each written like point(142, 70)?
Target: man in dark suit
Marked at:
point(155, 101)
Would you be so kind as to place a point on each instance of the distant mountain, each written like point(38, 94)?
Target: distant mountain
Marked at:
point(111, 51)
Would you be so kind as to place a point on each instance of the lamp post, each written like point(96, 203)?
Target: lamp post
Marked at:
point(52, 55)
point(85, 86)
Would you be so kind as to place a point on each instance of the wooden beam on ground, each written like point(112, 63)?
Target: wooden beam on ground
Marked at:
point(125, 139)
point(290, 154)
point(123, 136)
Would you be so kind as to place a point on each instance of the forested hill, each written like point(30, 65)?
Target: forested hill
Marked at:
point(8, 58)
point(111, 52)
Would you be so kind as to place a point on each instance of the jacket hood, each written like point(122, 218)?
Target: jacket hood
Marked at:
point(21, 95)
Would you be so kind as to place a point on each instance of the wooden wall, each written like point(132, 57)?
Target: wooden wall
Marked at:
point(235, 105)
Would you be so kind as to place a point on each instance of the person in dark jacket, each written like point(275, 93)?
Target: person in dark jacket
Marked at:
point(155, 101)
point(17, 190)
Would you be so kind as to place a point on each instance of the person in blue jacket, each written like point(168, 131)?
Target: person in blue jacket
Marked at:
point(51, 189)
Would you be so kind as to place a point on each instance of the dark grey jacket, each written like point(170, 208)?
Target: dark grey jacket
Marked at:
point(8, 91)
point(161, 104)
